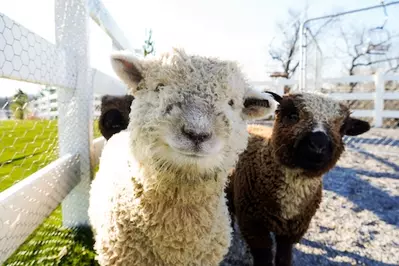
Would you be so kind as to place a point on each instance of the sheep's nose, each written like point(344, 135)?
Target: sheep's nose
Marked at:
point(194, 136)
point(318, 142)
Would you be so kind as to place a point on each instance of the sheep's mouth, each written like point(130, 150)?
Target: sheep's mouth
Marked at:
point(312, 161)
point(191, 154)
point(188, 149)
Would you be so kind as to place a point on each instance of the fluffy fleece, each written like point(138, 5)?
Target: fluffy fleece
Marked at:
point(158, 197)
point(114, 115)
point(276, 186)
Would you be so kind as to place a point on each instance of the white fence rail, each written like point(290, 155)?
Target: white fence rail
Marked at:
point(38, 194)
point(46, 107)
point(28, 57)
point(378, 96)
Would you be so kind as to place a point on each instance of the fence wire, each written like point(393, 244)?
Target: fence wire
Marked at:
point(28, 142)
point(30, 145)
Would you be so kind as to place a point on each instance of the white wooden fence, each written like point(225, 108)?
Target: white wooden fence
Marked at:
point(28, 57)
point(378, 96)
point(46, 107)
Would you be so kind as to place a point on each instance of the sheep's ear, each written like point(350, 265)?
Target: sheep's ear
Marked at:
point(106, 98)
point(276, 97)
point(258, 105)
point(128, 68)
point(354, 127)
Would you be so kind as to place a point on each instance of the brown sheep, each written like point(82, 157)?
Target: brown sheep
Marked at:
point(114, 116)
point(276, 186)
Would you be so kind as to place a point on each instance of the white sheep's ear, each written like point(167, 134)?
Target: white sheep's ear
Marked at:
point(258, 105)
point(128, 68)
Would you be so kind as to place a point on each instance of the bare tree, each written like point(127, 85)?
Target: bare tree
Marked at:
point(287, 48)
point(363, 56)
point(285, 51)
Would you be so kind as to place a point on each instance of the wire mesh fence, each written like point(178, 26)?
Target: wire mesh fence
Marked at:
point(46, 135)
point(28, 143)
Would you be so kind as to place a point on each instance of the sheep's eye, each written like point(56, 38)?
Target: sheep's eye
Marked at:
point(293, 117)
point(159, 86)
point(168, 108)
point(231, 102)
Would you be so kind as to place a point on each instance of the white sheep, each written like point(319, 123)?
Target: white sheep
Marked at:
point(158, 197)
point(277, 183)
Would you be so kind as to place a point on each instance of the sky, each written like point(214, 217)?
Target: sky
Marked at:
point(229, 29)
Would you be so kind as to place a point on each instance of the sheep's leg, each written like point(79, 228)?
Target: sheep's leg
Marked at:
point(262, 256)
point(283, 251)
point(261, 247)
point(230, 203)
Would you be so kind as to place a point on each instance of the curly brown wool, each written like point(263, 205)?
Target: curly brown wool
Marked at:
point(114, 115)
point(276, 186)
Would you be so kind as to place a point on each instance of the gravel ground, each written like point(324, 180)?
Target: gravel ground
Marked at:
point(358, 221)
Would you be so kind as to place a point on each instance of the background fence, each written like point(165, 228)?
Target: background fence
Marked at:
point(46, 107)
point(377, 101)
point(51, 160)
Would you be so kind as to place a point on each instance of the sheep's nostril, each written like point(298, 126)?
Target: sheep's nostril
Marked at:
point(196, 137)
point(318, 142)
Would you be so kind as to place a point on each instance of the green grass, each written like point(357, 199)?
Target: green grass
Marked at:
point(25, 147)
point(50, 244)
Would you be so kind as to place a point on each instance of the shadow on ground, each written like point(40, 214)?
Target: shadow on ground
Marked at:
point(347, 183)
point(330, 256)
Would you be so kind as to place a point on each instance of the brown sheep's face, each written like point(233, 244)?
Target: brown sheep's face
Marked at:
point(308, 132)
point(114, 116)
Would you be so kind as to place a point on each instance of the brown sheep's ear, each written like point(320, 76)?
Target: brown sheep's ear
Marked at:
point(128, 68)
point(258, 105)
point(276, 97)
point(354, 127)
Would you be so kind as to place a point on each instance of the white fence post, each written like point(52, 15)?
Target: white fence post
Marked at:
point(379, 99)
point(280, 88)
point(75, 106)
point(48, 102)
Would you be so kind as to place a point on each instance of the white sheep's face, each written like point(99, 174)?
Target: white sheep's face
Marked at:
point(189, 111)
